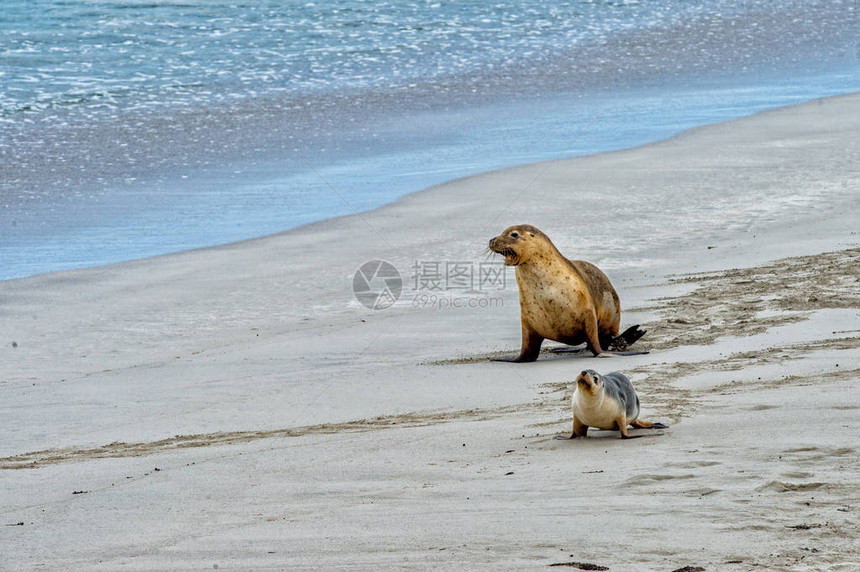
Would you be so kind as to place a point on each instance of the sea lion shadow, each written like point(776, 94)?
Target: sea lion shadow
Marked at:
point(565, 352)
point(604, 435)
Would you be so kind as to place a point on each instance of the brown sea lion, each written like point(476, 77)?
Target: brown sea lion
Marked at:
point(569, 301)
point(606, 402)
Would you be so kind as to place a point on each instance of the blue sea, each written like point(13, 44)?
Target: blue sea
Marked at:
point(135, 128)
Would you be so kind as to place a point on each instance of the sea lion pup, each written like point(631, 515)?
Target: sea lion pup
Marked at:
point(569, 301)
point(606, 402)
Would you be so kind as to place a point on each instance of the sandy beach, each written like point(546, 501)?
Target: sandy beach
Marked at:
point(237, 408)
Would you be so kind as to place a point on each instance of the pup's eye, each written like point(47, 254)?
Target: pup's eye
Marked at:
point(515, 234)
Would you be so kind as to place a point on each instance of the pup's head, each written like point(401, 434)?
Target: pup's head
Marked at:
point(589, 381)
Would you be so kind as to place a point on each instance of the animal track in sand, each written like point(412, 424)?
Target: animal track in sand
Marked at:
point(784, 487)
point(644, 480)
point(702, 492)
point(846, 407)
point(797, 475)
point(814, 455)
point(748, 301)
point(694, 464)
point(761, 407)
point(37, 459)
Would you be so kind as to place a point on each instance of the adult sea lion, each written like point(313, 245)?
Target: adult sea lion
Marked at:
point(569, 301)
point(606, 402)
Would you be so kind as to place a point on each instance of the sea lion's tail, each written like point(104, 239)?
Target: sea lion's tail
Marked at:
point(625, 339)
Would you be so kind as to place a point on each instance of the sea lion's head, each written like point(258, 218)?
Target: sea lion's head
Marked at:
point(517, 243)
point(589, 381)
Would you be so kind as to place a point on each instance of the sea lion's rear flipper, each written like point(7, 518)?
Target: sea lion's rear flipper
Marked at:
point(649, 426)
point(625, 339)
point(642, 424)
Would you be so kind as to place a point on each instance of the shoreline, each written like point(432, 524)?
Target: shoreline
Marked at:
point(68, 242)
point(236, 406)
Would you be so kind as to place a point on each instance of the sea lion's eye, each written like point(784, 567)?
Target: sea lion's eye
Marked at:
point(515, 234)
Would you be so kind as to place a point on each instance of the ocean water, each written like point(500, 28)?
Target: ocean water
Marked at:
point(135, 128)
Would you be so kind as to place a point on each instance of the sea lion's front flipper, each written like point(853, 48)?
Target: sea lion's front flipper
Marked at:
point(522, 358)
point(580, 429)
point(530, 348)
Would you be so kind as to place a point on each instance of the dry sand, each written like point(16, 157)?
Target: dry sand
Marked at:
point(236, 407)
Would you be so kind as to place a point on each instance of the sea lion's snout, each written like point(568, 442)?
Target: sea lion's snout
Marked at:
point(500, 245)
point(588, 379)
